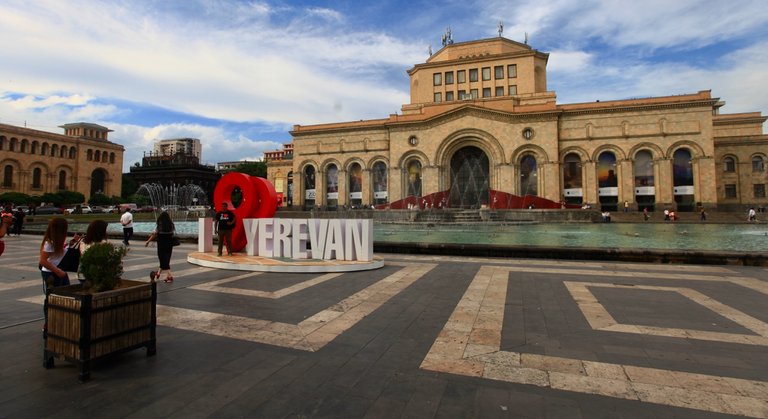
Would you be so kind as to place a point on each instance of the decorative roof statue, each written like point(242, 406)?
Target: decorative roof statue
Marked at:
point(500, 28)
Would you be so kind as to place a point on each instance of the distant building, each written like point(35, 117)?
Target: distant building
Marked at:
point(186, 146)
point(228, 166)
point(482, 129)
point(280, 172)
point(182, 167)
point(81, 160)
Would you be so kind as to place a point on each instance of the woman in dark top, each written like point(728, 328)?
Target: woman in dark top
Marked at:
point(164, 232)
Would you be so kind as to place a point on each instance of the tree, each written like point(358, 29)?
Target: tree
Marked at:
point(258, 168)
point(129, 186)
point(15, 198)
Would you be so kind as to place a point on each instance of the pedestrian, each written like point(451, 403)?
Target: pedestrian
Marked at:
point(646, 215)
point(223, 224)
point(673, 216)
point(18, 221)
point(751, 214)
point(626, 206)
point(666, 214)
point(5, 222)
point(52, 251)
point(127, 221)
point(164, 233)
point(702, 215)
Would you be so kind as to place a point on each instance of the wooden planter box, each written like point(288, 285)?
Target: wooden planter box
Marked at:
point(82, 327)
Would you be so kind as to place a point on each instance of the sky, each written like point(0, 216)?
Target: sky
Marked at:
point(239, 74)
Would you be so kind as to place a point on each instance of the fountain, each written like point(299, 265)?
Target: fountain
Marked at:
point(175, 199)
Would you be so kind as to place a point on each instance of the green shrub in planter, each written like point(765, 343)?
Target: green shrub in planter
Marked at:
point(102, 266)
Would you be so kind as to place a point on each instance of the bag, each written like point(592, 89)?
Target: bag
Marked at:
point(71, 260)
point(175, 241)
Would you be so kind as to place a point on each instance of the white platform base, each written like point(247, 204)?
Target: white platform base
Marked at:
point(242, 262)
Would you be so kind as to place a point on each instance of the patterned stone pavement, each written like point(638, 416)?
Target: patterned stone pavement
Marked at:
point(424, 336)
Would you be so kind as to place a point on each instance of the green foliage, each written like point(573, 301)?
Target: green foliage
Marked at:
point(139, 200)
point(102, 266)
point(100, 199)
point(63, 198)
point(15, 198)
point(258, 168)
point(129, 186)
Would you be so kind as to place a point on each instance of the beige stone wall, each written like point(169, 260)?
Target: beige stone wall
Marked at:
point(53, 153)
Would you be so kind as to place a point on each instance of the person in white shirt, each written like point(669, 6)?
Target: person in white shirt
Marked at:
point(127, 221)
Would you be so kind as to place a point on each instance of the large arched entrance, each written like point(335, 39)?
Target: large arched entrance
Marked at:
point(470, 178)
point(98, 182)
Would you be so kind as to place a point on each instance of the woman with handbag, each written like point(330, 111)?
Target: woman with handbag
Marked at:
point(165, 233)
point(52, 252)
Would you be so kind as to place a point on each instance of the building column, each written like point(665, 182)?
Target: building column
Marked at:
point(430, 177)
point(395, 184)
point(549, 181)
point(627, 184)
point(502, 181)
point(367, 188)
point(589, 186)
point(704, 174)
point(343, 188)
point(662, 172)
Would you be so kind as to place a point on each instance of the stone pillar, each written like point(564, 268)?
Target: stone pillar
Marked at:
point(662, 172)
point(430, 177)
point(627, 184)
point(589, 188)
point(704, 175)
point(549, 181)
point(367, 188)
point(395, 184)
point(343, 188)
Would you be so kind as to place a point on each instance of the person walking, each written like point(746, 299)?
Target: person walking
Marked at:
point(751, 215)
point(702, 215)
point(5, 222)
point(646, 215)
point(163, 233)
point(127, 221)
point(18, 221)
point(223, 224)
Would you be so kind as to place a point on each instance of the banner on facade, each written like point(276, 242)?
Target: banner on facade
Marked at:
point(645, 190)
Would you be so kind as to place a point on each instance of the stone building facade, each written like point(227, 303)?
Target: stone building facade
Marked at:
point(81, 160)
point(482, 127)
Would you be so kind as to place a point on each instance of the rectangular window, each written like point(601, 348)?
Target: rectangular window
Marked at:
point(759, 190)
point(486, 92)
point(512, 71)
point(499, 70)
point(730, 164)
point(513, 90)
point(461, 76)
point(437, 79)
point(473, 93)
point(449, 77)
point(438, 97)
point(448, 96)
point(463, 95)
point(486, 73)
point(730, 191)
point(499, 91)
point(473, 75)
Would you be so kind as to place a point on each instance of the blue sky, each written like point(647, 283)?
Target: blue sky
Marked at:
point(239, 74)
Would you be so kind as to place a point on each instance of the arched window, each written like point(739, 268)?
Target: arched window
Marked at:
point(63, 152)
point(645, 190)
point(332, 185)
point(54, 150)
point(62, 180)
point(355, 184)
point(573, 191)
point(310, 193)
point(112, 158)
point(608, 182)
point(89, 155)
point(97, 155)
point(44, 149)
point(2, 142)
point(8, 176)
point(413, 179)
point(104, 157)
point(14, 144)
point(379, 179)
point(529, 184)
point(729, 164)
point(24, 146)
point(758, 164)
point(37, 174)
point(682, 179)
point(72, 153)
point(35, 147)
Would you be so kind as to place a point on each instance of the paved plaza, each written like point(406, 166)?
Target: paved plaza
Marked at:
point(422, 337)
